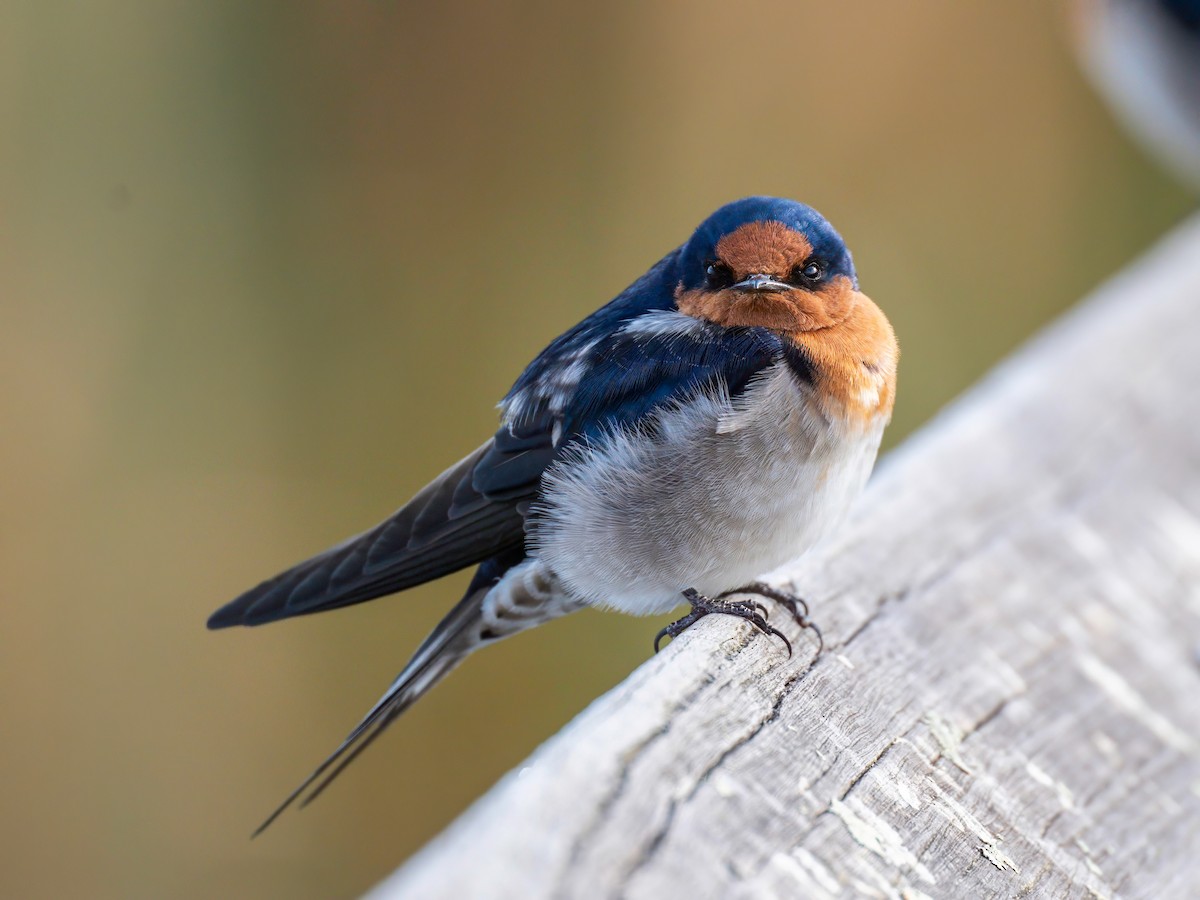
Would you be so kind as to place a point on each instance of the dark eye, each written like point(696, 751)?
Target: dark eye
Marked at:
point(810, 271)
point(717, 275)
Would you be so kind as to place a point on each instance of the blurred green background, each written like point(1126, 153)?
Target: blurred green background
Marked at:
point(265, 268)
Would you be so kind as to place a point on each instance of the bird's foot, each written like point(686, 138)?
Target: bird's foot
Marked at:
point(795, 604)
point(750, 610)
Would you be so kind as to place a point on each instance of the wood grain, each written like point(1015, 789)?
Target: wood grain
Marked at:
point(1009, 700)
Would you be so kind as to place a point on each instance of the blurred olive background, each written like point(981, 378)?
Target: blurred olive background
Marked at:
point(265, 268)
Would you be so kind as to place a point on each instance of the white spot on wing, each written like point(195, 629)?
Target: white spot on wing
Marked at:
point(665, 323)
point(553, 391)
point(561, 386)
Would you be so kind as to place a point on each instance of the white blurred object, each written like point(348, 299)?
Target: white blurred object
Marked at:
point(1144, 58)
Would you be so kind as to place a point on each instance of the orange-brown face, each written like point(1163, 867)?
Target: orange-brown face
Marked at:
point(765, 274)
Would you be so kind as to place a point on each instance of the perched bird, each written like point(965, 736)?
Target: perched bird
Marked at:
point(1144, 58)
point(712, 422)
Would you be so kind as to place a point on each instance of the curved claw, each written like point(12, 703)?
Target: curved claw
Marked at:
point(750, 610)
point(767, 629)
point(676, 628)
point(796, 605)
point(820, 637)
point(663, 632)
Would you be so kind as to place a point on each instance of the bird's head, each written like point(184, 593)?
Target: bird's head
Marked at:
point(767, 262)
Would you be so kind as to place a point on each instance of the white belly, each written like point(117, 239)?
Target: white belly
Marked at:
point(724, 493)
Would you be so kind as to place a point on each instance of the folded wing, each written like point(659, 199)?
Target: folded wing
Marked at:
point(471, 512)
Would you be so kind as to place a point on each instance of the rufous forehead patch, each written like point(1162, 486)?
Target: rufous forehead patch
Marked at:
point(767, 248)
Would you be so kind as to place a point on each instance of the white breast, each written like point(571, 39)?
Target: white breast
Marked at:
point(723, 492)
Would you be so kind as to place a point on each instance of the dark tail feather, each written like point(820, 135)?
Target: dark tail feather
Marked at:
point(449, 643)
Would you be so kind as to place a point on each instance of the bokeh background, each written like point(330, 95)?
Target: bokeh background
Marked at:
point(264, 270)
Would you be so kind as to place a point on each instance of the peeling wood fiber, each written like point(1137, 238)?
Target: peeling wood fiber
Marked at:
point(1009, 700)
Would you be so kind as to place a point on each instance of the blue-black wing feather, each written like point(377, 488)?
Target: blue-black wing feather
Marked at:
point(454, 522)
point(634, 377)
point(632, 373)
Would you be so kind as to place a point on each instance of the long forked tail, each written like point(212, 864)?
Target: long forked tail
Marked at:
point(501, 601)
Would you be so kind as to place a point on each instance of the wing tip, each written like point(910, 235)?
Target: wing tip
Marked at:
point(227, 616)
point(245, 610)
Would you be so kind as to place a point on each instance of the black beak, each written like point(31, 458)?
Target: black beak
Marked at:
point(761, 284)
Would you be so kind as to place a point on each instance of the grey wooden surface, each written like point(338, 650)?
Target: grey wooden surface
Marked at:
point(1009, 700)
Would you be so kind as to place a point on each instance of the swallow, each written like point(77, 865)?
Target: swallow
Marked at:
point(1143, 56)
point(712, 422)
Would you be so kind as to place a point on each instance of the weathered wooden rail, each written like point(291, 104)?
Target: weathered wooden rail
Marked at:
point(1009, 699)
